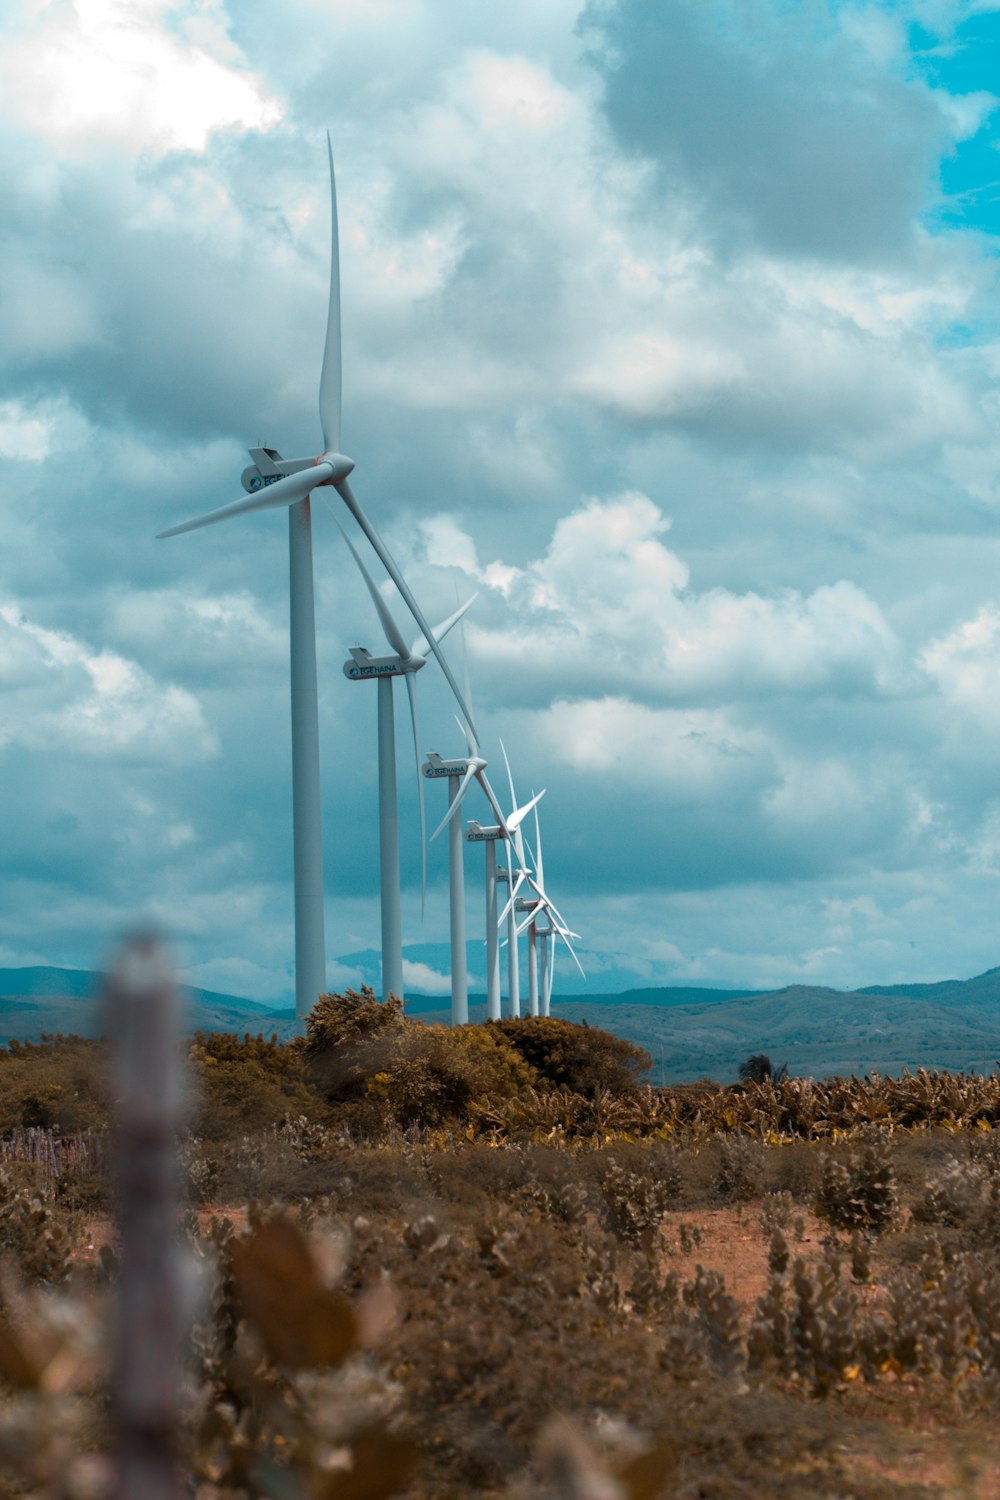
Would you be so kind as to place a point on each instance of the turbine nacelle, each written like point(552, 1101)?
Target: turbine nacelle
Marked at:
point(477, 834)
point(363, 665)
point(434, 765)
point(268, 467)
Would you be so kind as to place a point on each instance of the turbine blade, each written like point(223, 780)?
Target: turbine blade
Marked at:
point(347, 495)
point(510, 779)
point(411, 688)
point(515, 887)
point(538, 845)
point(572, 951)
point(393, 634)
point(517, 817)
point(532, 916)
point(470, 743)
point(466, 782)
point(491, 799)
point(420, 646)
point(330, 380)
point(287, 491)
point(473, 745)
point(560, 920)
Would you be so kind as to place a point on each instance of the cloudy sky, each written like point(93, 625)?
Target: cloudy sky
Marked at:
point(671, 328)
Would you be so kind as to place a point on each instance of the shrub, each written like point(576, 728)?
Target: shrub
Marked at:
point(40, 1236)
point(337, 1020)
point(635, 1204)
point(350, 1037)
point(361, 1050)
point(740, 1171)
point(954, 1194)
point(583, 1058)
point(247, 1083)
point(56, 1084)
point(858, 1190)
point(755, 1069)
point(437, 1072)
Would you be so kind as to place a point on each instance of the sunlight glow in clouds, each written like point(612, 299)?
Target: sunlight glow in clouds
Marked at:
point(143, 74)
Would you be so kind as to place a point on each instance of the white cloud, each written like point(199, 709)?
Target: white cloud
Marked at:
point(628, 745)
point(59, 692)
point(201, 633)
point(420, 976)
point(24, 433)
point(609, 604)
point(238, 976)
point(155, 75)
point(965, 665)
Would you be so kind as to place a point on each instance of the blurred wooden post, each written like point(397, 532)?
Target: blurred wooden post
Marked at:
point(142, 1020)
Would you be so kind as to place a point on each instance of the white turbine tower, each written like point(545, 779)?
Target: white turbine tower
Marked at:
point(405, 663)
point(274, 482)
point(460, 773)
point(456, 770)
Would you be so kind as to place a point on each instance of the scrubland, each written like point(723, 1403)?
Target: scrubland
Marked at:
point(490, 1262)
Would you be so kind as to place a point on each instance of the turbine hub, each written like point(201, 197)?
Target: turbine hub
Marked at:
point(339, 462)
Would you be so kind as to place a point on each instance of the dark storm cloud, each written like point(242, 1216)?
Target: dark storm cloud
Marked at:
point(785, 128)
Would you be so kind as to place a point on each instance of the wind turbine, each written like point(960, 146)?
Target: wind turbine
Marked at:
point(542, 905)
point(455, 770)
point(273, 482)
point(488, 836)
point(461, 771)
point(362, 667)
point(515, 847)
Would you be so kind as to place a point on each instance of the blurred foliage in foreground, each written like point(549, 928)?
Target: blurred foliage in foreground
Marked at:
point(469, 1263)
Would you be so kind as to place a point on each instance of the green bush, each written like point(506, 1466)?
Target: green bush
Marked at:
point(857, 1190)
point(349, 1038)
point(246, 1083)
point(57, 1084)
point(361, 1049)
point(583, 1058)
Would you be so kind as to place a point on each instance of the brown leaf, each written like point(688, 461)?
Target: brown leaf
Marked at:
point(645, 1475)
point(375, 1311)
point(19, 1364)
point(304, 1324)
point(381, 1465)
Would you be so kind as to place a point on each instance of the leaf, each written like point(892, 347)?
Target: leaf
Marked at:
point(381, 1465)
point(303, 1323)
point(644, 1477)
point(19, 1365)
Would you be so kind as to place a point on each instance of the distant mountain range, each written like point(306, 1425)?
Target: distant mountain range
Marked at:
point(427, 967)
point(690, 1032)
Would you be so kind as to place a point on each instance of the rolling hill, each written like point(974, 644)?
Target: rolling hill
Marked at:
point(690, 1033)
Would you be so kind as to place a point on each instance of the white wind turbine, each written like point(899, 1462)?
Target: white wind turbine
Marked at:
point(503, 829)
point(515, 848)
point(274, 482)
point(459, 771)
point(541, 905)
point(405, 663)
point(456, 770)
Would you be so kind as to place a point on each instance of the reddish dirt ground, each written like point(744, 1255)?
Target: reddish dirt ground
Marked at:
point(926, 1438)
point(919, 1435)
